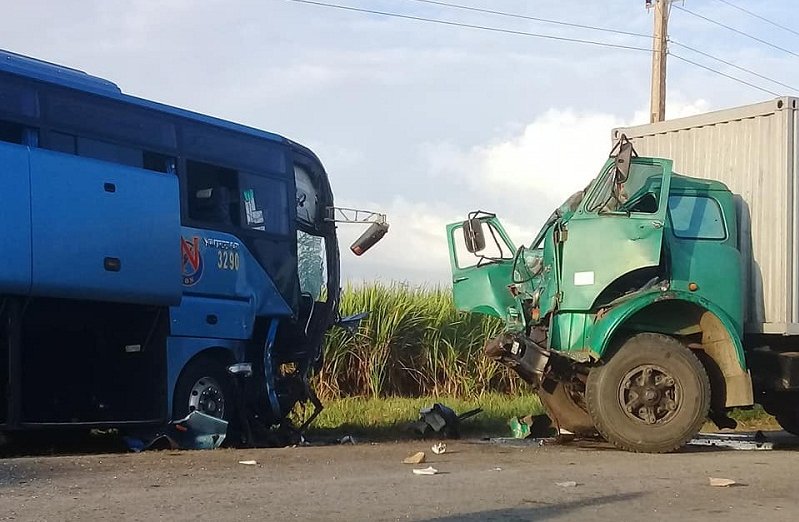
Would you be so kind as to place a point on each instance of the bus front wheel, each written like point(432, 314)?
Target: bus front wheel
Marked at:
point(204, 385)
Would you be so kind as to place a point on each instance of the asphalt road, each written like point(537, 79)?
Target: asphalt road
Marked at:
point(478, 481)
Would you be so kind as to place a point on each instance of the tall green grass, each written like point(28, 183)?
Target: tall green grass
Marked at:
point(413, 343)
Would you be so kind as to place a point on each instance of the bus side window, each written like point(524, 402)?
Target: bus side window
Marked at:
point(159, 162)
point(111, 152)
point(97, 149)
point(212, 194)
point(61, 142)
point(12, 132)
point(264, 204)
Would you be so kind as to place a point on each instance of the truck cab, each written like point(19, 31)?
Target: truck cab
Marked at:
point(624, 311)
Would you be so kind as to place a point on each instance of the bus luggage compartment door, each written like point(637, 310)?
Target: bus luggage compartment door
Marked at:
point(15, 220)
point(103, 231)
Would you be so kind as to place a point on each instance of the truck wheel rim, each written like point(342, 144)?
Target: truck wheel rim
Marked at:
point(206, 396)
point(650, 394)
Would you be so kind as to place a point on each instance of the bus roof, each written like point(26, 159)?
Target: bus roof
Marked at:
point(41, 70)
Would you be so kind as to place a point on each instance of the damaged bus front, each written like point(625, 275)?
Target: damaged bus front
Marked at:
point(625, 311)
point(165, 263)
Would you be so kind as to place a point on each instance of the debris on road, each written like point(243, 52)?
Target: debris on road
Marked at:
point(497, 469)
point(430, 470)
point(346, 439)
point(513, 441)
point(195, 431)
point(248, 462)
point(416, 458)
point(567, 484)
point(441, 419)
point(737, 441)
point(721, 482)
point(537, 426)
point(439, 448)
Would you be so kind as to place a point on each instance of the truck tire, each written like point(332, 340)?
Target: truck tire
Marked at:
point(651, 396)
point(204, 385)
point(788, 420)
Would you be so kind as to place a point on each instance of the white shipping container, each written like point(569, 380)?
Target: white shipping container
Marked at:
point(754, 151)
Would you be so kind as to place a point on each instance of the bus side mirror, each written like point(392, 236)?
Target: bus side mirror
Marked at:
point(473, 235)
point(373, 234)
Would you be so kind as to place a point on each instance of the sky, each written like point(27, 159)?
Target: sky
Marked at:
point(422, 121)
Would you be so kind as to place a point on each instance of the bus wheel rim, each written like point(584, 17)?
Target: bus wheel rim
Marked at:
point(206, 396)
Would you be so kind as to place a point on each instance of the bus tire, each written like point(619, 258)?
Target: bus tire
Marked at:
point(651, 396)
point(204, 385)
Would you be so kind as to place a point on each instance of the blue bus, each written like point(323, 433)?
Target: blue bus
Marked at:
point(155, 261)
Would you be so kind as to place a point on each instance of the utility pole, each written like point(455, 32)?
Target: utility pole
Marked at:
point(657, 111)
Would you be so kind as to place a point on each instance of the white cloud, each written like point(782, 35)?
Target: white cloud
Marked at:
point(552, 157)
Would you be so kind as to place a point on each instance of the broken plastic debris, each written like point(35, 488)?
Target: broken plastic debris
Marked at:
point(439, 448)
point(248, 462)
point(441, 419)
point(430, 470)
point(721, 482)
point(536, 426)
point(416, 458)
point(497, 469)
point(567, 484)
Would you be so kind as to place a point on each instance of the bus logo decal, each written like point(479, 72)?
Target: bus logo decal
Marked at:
point(191, 260)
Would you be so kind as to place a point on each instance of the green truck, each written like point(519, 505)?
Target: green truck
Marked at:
point(664, 293)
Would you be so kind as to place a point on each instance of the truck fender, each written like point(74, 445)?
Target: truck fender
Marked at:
point(720, 350)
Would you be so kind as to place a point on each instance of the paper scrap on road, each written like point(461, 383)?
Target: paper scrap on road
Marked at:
point(439, 448)
point(248, 462)
point(721, 482)
point(416, 458)
point(567, 484)
point(430, 470)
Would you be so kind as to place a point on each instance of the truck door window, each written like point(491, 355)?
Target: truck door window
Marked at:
point(495, 249)
point(696, 217)
point(639, 193)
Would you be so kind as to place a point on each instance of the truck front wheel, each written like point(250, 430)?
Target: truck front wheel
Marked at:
point(788, 420)
point(652, 396)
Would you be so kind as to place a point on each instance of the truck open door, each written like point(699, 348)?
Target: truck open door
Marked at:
point(481, 257)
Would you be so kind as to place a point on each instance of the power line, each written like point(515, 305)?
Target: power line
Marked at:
point(710, 69)
point(471, 26)
point(738, 31)
point(534, 18)
point(549, 37)
point(725, 62)
point(603, 29)
point(750, 13)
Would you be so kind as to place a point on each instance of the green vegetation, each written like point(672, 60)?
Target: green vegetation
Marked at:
point(413, 343)
point(388, 418)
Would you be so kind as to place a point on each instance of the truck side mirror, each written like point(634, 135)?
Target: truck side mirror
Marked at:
point(473, 235)
point(623, 160)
